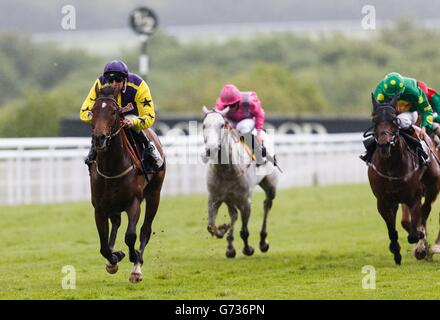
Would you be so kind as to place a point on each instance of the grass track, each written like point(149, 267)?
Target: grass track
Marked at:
point(320, 238)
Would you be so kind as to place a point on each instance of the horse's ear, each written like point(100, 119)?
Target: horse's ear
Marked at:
point(394, 100)
point(374, 101)
point(205, 110)
point(224, 111)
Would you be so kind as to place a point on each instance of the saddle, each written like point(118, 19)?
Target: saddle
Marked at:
point(131, 148)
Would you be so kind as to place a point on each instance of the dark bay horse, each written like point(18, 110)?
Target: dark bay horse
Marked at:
point(396, 177)
point(117, 185)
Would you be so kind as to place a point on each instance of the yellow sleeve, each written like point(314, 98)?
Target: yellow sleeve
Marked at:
point(85, 113)
point(145, 107)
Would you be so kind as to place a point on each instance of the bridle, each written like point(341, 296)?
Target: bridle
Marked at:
point(394, 138)
point(386, 117)
point(115, 130)
point(115, 127)
point(225, 124)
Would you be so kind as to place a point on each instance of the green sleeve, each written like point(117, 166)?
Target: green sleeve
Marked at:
point(425, 110)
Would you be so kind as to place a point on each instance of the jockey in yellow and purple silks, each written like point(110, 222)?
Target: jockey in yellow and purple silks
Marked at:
point(411, 103)
point(135, 97)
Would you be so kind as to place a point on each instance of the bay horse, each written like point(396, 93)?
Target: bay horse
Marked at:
point(117, 185)
point(395, 177)
point(231, 177)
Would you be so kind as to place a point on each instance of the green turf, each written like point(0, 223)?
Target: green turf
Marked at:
point(320, 238)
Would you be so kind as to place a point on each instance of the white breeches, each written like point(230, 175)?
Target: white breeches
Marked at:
point(407, 119)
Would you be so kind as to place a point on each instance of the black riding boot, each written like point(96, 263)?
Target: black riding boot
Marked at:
point(91, 157)
point(370, 145)
point(150, 156)
point(415, 144)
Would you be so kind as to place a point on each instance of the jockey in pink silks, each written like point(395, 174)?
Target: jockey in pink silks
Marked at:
point(247, 116)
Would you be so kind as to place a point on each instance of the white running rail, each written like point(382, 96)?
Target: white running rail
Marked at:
point(52, 170)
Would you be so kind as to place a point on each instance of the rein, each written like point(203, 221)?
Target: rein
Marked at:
point(394, 178)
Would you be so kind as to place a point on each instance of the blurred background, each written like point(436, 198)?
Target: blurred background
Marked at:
point(304, 58)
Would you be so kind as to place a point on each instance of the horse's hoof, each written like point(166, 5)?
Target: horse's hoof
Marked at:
point(413, 239)
point(230, 253)
point(135, 277)
point(435, 248)
point(264, 246)
point(398, 259)
point(420, 254)
point(248, 250)
point(221, 231)
point(112, 269)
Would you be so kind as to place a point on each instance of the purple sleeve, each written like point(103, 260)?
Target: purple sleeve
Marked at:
point(256, 111)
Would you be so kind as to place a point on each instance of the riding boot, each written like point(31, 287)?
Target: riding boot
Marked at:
point(422, 156)
point(151, 159)
point(416, 145)
point(91, 157)
point(370, 145)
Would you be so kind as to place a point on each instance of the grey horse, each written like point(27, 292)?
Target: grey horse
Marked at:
point(232, 175)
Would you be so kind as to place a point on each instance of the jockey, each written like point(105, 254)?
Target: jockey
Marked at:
point(412, 101)
point(245, 114)
point(136, 98)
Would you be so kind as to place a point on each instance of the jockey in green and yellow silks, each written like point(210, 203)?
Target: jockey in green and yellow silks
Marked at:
point(412, 101)
point(135, 98)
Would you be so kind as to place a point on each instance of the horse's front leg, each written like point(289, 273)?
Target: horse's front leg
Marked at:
point(116, 223)
point(133, 213)
point(102, 225)
point(416, 218)
point(152, 197)
point(245, 211)
point(269, 188)
point(233, 214)
point(213, 206)
point(388, 212)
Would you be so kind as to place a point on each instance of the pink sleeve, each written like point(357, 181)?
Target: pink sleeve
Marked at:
point(256, 111)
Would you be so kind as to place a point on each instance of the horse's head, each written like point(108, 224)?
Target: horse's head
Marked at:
point(106, 115)
point(386, 127)
point(213, 130)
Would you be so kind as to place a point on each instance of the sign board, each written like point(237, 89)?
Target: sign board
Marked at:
point(143, 21)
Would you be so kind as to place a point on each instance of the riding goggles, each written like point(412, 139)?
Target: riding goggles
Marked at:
point(114, 77)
